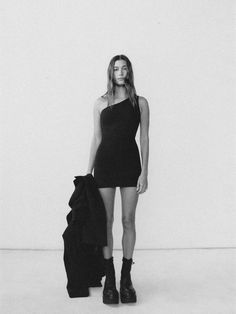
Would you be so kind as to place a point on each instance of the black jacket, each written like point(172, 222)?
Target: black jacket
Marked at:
point(84, 238)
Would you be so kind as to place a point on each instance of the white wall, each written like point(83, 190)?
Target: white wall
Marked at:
point(54, 60)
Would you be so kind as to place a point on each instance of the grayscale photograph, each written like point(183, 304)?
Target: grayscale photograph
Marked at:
point(118, 157)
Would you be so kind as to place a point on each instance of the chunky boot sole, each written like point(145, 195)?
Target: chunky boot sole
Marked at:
point(114, 300)
point(124, 299)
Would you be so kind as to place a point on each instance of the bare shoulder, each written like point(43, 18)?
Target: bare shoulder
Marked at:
point(143, 103)
point(100, 103)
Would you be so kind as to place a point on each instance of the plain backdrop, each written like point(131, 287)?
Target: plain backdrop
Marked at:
point(54, 59)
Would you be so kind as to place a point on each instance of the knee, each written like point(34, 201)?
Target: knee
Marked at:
point(128, 222)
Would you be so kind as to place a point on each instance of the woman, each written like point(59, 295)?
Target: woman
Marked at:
point(114, 155)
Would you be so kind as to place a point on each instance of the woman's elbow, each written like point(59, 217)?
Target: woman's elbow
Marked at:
point(144, 139)
point(97, 139)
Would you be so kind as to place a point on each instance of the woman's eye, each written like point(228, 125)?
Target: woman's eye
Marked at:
point(122, 69)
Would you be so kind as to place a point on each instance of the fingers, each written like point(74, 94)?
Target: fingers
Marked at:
point(140, 188)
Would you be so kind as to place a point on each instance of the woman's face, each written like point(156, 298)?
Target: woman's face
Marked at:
point(120, 71)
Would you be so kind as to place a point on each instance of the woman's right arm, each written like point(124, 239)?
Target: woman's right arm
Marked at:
point(97, 136)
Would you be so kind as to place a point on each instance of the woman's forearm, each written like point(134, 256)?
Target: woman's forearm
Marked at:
point(93, 149)
point(145, 155)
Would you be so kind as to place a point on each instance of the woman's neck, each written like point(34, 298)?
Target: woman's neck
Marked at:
point(120, 92)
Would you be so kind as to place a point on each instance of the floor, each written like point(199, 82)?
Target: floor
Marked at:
point(178, 281)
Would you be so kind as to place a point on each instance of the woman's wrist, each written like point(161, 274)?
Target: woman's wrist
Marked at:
point(144, 173)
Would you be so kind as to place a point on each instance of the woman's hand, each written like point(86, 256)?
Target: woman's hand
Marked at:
point(142, 183)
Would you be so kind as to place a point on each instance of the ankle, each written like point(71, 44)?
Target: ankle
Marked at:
point(108, 258)
point(127, 258)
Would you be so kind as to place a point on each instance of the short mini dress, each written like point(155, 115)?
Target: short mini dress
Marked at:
point(117, 161)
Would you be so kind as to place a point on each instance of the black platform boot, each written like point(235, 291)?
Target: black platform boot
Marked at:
point(110, 293)
point(127, 292)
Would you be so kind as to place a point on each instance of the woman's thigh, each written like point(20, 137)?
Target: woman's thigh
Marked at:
point(108, 196)
point(129, 200)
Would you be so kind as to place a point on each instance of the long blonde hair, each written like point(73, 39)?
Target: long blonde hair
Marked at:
point(129, 81)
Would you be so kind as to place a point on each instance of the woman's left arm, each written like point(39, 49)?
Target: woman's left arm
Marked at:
point(144, 143)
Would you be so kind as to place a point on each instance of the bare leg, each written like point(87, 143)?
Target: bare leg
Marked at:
point(108, 196)
point(129, 198)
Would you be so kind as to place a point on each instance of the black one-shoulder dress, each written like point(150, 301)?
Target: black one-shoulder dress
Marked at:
point(117, 161)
